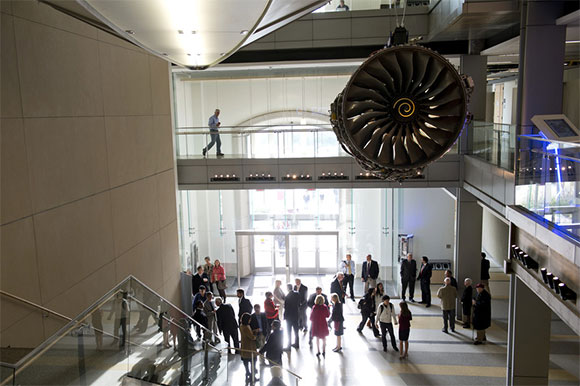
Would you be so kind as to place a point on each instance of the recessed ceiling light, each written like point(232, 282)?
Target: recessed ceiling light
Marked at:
point(193, 32)
point(188, 54)
point(130, 32)
point(180, 31)
point(244, 31)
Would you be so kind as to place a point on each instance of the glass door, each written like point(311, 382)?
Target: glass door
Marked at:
point(314, 253)
point(263, 253)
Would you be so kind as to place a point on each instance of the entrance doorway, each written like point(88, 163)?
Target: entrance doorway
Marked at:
point(287, 252)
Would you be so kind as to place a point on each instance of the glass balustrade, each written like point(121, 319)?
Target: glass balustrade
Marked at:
point(547, 180)
point(130, 335)
point(261, 142)
point(255, 142)
point(365, 5)
point(492, 142)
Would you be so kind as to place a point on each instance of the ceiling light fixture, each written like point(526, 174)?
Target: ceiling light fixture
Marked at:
point(572, 41)
point(198, 28)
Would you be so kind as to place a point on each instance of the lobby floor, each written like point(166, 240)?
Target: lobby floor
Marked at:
point(435, 358)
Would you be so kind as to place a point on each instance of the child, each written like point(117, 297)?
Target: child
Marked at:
point(338, 320)
point(405, 318)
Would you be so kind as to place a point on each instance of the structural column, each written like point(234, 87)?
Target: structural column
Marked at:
point(468, 221)
point(528, 336)
point(541, 72)
point(474, 66)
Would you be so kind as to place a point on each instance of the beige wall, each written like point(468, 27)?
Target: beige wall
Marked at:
point(494, 237)
point(88, 169)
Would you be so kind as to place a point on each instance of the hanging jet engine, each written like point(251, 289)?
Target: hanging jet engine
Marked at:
point(402, 109)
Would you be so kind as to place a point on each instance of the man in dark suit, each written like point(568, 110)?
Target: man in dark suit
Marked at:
point(370, 273)
point(259, 325)
point(408, 275)
point(198, 279)
point(226, 322)
point(245, 306)
point(311, 300)
point(337, 286)
point(485, 272)
point(292, 315)
point(303, 292)
point(425, 279)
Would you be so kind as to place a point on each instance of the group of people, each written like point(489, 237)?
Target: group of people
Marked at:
point(479, 305)
point(259, 330)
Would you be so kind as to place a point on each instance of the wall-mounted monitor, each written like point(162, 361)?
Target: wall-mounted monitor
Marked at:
point(557, 127)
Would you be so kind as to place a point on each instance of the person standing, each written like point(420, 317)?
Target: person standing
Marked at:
point(226, 322)
point(270, 310)
point(370, 273)
point(485, 272)
point(337, 318)
point(408, 275)
point(248, 349)
point(481, 313)
point(466, 303)
point(208, 272)
point(209, 310)
point(197, 280)
point(342, 7)
point(348, 268)
point(405, 318)
point(425, 280)
point(214, 124)
point(274, 344)
point(303, 292)
point(367, 310)
point(292, 315)
point(448, 296)
point(244, 305)
point(219, 278)
point(200, 317)
point(311, 301)
point(200, 296)
point(259, 325)
point(279, 296)
point(385, 317)
point(338, 286)
point(449, 274)
point(318, 323)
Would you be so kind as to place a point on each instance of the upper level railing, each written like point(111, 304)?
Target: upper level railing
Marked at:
point(262, 141)
point(364, 5)
point(492, 142)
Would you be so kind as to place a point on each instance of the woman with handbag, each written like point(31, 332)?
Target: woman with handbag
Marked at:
point(219, 277)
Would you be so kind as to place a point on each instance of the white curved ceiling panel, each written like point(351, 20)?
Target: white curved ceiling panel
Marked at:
point(196, 33)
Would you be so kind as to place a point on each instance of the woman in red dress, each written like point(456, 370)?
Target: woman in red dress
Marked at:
point(319, 326)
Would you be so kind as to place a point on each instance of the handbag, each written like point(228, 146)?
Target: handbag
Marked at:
point(221, 284)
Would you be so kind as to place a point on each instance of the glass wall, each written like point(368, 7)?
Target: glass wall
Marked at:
point(312, 230)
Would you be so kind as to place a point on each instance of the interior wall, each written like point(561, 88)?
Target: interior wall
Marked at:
point(242, 99)
point(88, 178)
point(429, 214)
point(494, 237)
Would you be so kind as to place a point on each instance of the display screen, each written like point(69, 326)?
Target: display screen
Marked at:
point(561, 128)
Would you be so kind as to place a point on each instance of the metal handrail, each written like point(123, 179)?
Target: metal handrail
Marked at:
point(202, 131)
point(172, 305)
point(40, 350)
point(15, 297)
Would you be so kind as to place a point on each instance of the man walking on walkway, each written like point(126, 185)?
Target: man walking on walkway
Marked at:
point(214, 123)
